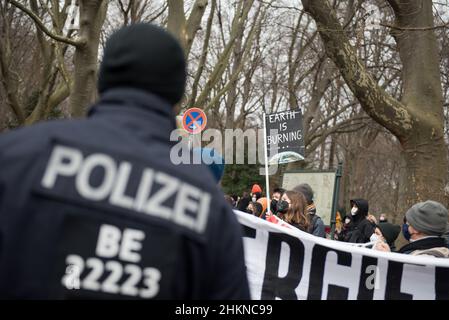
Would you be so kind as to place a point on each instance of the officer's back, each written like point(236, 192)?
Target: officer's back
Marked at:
point(94, 208)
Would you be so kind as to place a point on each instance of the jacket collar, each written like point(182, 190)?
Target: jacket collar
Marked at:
point(137, 110)
point(422, 244)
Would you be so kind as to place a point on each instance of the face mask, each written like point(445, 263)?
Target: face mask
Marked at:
point(374, 237)
point(354, 211)
point(283, 206)
point(274, 205)
point(347, 220)
point(405, 232)
point(254, 199)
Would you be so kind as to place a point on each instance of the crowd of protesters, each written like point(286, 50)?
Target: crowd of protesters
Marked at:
point(295, 207)
point(425, 225)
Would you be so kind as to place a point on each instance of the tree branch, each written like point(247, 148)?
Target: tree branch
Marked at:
point(443, 26)
point(42, 27)
point(379, 105)
point(193, 23)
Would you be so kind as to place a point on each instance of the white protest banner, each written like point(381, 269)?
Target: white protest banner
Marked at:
point(285, 263)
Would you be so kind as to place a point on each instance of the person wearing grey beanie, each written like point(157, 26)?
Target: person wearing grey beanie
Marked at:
point(429, 218)
point(427, 223)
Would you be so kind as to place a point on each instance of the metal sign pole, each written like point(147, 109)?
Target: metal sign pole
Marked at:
point(267, 182)
point(335, 197)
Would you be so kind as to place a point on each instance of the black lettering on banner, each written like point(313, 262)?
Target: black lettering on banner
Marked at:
point(441, 283)
point(394, 278)
point(367, 278)
point(335, 292)
point(319, 254)
point(273, 285)
point(249, 232)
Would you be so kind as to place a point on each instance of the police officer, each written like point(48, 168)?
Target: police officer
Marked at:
point(94, 208)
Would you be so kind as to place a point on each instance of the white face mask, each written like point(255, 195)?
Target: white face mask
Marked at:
point(354, 211)
point(374, 238)
point(254, 199)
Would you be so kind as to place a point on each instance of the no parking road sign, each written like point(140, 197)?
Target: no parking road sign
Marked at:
point(194, 120)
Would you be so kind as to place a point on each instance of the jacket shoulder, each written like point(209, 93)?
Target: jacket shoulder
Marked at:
point(439, 252)
point(26, 140)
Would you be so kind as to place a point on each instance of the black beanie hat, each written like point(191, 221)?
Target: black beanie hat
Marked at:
point(146, 57)
point(306, 190)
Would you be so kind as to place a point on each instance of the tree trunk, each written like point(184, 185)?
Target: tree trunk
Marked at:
point(417, 121)
point(424, 150)
point(92, 16)
point(185, 29)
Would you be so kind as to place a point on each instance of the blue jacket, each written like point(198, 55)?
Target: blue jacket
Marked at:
point(94, 208)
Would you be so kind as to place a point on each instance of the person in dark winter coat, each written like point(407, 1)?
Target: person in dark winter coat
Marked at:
point(244, 201)
point(96, 209)
point(359, 229)
point(213, 160)
point(316, 223)
point(426, 224)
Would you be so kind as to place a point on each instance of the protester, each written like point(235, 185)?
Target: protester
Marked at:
point(338, 225)
point(244, 201)
point(359, 229)
point(103, 190)
point(340, 218)
point(338, 222)
point(372, 219)
point(229, 200)
point(264, 203)
point(317, 225)
point(426, 223)
point(293, 209)
point(256, 192)
point(255, 208)
point(342, 235)
point(383, 218)
point(275, 198)
point(386, 232)
point(213, 160)
point(236, 199)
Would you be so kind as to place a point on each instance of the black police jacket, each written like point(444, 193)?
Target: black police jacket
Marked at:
point(95, 208)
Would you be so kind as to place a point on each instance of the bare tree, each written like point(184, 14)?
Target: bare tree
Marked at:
point(416, 120)
point(184, 28)
point(82, 85)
